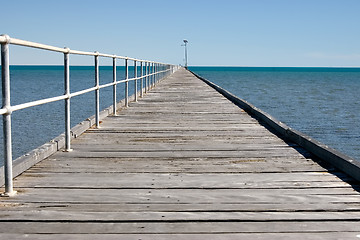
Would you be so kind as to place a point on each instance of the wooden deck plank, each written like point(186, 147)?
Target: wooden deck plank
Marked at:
point(179, 180)
point(183, 162)
point(184, 228)
point(184, 207)
point(204, 236)
point(41, 215)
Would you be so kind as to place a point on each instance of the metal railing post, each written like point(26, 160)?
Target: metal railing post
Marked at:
point(114, 87)
point(97, 91)
point(146, 78)
point(67, 100)
point(126, 83)
point(154, 79)
point(158, 76)
point(135, 76)
point(5, 76)
point(150, 76)
point(153, 74)
point(142, 80)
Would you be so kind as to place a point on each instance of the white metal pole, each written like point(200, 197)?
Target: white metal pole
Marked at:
point(97, 91)
point(142, 79)
point(114, 87)
point(126, 83)
point(147, 77)
point(135, 76)
point(186, 61)
point(67, 101)
point(5, 76)
point(151, 76)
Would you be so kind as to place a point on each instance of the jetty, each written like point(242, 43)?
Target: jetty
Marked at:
point(181, 158)
point(183, 162)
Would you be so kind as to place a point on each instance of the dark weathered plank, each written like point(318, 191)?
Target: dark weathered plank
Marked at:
point(182, 163)
point(184, 207)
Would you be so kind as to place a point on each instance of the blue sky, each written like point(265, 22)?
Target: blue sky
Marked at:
point(220, 33)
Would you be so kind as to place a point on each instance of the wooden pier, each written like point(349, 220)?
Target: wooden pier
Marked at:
point(182, 163)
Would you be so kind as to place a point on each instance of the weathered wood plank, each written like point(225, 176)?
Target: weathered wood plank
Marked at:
point(217, 196)
point(193, 181)
point(202, 236)
point(142, 165)
point(47, 215)
point(184, 207)
point(176, 228)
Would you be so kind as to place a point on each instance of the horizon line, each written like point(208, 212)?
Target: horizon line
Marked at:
point(240, 66)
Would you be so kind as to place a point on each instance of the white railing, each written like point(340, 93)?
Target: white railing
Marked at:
point(147, 72)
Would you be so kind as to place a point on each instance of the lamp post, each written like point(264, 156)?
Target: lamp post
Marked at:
point(185, 44)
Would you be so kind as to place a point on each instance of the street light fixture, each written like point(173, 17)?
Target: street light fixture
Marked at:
point(185, 44)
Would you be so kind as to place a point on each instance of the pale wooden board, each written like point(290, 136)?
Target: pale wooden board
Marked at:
point(182, 163)
point(143, 165)
point(216, 196)
point(147, 216)
point(177, 228)
point(181, 180)
point(203, 236)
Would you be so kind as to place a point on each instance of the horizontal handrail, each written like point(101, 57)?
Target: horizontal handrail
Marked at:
point(82, 92)
point(150, 73)
point(35, 103)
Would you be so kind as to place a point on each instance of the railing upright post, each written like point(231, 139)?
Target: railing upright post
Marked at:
point(67, 101)
point(5, 76)
point(146, 76)
point(126, 83)
point(135, 76)
point(154, 74)
point(97, 91)
point(142, 80)
point(151, 75)
point(114, 86)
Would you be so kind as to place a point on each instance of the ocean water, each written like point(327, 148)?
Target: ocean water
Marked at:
point(320, 102)
point(35, 126)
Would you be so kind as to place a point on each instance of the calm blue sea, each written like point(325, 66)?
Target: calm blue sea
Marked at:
point(321, 102)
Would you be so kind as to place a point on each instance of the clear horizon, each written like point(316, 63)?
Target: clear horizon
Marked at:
point(190, 66)
point(277, 33)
